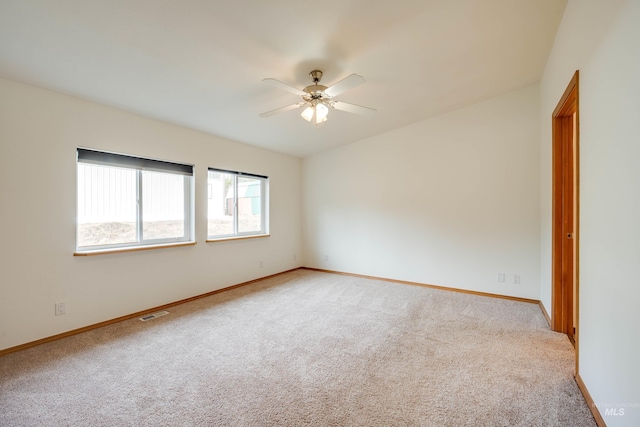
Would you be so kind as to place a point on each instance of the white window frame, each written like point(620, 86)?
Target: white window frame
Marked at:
point(264, 205)
point(141, 164)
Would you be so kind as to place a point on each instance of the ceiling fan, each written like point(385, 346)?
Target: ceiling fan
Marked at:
point(319, 98)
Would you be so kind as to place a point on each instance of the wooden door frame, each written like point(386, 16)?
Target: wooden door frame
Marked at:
point(566, 138)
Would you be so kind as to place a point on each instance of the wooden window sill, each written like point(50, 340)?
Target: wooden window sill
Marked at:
point(226, 239)
point(132, 249)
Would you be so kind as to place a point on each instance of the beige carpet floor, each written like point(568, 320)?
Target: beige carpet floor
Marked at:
point(305, 348)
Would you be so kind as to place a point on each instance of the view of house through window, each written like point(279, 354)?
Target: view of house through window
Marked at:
point(236, 205)
point(128, 201)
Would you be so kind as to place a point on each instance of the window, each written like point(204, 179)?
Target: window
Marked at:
point(125, 201)
point(237, 204)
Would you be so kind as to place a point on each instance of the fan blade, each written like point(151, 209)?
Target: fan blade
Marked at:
point(282, 85)
point(281, 109)
point(353, 108)
point(344, 85)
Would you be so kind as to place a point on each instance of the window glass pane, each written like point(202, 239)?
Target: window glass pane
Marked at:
point(106, 205)
point(249, 204)
point(221, 204)
point(163, 205)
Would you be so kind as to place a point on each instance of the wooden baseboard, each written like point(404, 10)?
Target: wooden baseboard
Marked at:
point(544, 312)
point(425, 285)
point(587, 396)
point(131, 316)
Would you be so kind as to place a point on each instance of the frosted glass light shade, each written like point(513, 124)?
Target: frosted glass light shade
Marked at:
point(321, 113)
point(307, 114)
point(315, 113)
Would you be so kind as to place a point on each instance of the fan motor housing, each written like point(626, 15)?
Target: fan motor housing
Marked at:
point(316, 91)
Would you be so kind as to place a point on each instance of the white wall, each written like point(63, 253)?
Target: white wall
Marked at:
point(602, 40)
point(449, 201)
point(39, 133)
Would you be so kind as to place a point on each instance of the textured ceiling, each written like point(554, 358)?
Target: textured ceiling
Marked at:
point(200, 63)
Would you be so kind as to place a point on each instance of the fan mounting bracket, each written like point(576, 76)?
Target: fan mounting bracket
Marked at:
point(315, 75)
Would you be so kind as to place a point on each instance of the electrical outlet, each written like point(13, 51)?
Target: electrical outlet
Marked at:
point(326, 258)
point(60, 309)
point(501, 277)
point(516, 279)
point(295, 257)
point(261, 264)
